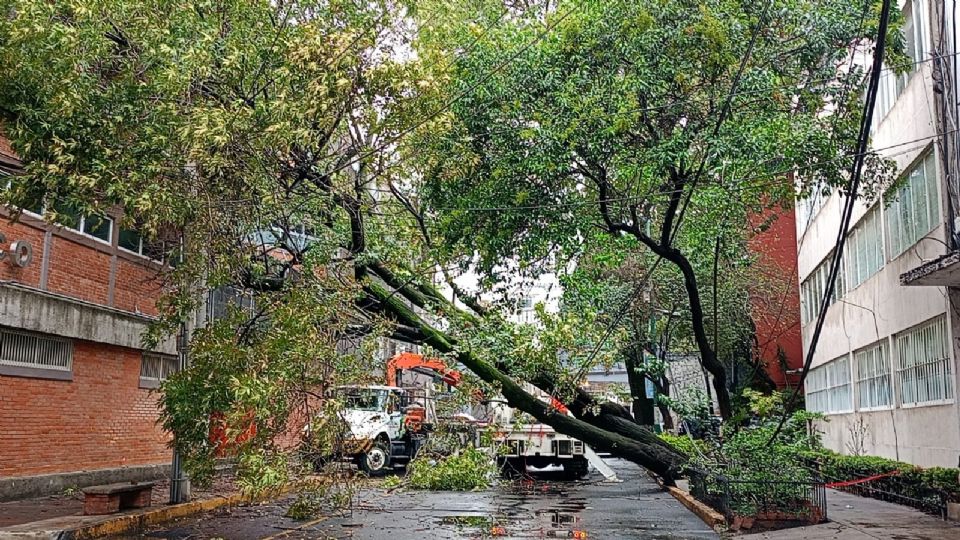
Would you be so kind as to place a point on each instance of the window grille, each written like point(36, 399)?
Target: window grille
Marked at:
point(29, 350)
point(924, 372)
point(874, 386)
point(813, 288)
point(864, 254)
point(914, 208)
point(828, 387)
point(155, 368)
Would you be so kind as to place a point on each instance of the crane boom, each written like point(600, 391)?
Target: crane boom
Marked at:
point(433, 367)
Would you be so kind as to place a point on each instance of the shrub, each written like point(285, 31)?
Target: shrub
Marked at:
point(469, 469)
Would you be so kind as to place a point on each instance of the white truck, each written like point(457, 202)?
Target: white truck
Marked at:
point(527, 443)
point(387, 425)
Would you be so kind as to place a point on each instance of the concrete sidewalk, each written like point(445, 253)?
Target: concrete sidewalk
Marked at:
point(61, 516)
point(860, 518)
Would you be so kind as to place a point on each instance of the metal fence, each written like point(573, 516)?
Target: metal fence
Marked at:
point(893, 488)
point(763, 499)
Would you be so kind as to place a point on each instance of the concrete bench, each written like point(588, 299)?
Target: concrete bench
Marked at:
point(111, 498)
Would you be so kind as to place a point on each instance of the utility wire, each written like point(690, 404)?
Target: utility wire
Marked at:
point(862, 141)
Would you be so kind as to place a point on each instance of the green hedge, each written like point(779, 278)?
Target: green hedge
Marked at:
point(923, 485)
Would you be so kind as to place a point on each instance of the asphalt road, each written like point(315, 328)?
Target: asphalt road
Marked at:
point(542, 508)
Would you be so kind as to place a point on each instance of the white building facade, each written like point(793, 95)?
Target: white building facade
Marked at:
point(885, 367)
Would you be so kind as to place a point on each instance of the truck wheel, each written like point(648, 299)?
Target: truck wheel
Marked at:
point(576, 469)
point(376, 460)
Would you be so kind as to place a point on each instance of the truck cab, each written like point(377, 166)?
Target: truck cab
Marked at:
point(386, 426)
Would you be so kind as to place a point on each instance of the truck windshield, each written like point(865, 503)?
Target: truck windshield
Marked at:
point(366, 400)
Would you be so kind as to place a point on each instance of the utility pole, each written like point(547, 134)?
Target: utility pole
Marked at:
point(179, 481)
point(947, 99)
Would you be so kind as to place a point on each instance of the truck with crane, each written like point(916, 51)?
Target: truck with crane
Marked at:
point(386, 426)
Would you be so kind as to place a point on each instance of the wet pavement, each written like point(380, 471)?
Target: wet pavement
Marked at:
point(541, 508)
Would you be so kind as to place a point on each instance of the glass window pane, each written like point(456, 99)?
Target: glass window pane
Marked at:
point(130, 239)
point(154, 250)
point(930, 174)
point(892, 216)
point(67, 216)
point(921, 213)
point(907, 225)
point(98, 227)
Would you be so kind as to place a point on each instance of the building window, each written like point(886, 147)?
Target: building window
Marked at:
point(924, 372)
point(33, 207)
point(828, 387)
point(222, 299)
point(914, 35)
point(874, 386)
point(813, 288)
point(915, 39)
point(35, 355)
point(914, 208)
point(130, 240)
point(99, 227)
point(808, 207)
point(156, 368)
point(863, 253)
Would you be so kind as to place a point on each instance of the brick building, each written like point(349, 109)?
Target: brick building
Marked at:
point(76, 406)
point(775, 297)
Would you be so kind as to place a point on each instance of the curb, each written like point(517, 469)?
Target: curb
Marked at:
point(711, 517)
point(134, 522)
point(130, 522)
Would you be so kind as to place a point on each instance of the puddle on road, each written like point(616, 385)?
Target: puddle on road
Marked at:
point(527, 509)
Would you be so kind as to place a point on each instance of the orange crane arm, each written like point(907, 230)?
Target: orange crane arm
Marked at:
point(417, 362)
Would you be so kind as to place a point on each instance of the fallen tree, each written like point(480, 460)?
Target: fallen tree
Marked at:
point(296, 158)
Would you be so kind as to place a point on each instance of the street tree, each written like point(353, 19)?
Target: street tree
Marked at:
point(670, 125)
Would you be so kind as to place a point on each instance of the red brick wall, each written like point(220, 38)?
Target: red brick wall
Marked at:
point(79, 267)
point(100, 419)
point(79, 271)
point(18, 231)
point(776, 300)
point(137, 287)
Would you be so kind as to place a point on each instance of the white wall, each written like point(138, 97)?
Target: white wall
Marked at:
point(880, 307)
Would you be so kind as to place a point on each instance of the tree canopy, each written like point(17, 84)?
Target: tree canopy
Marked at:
point(405, 137)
